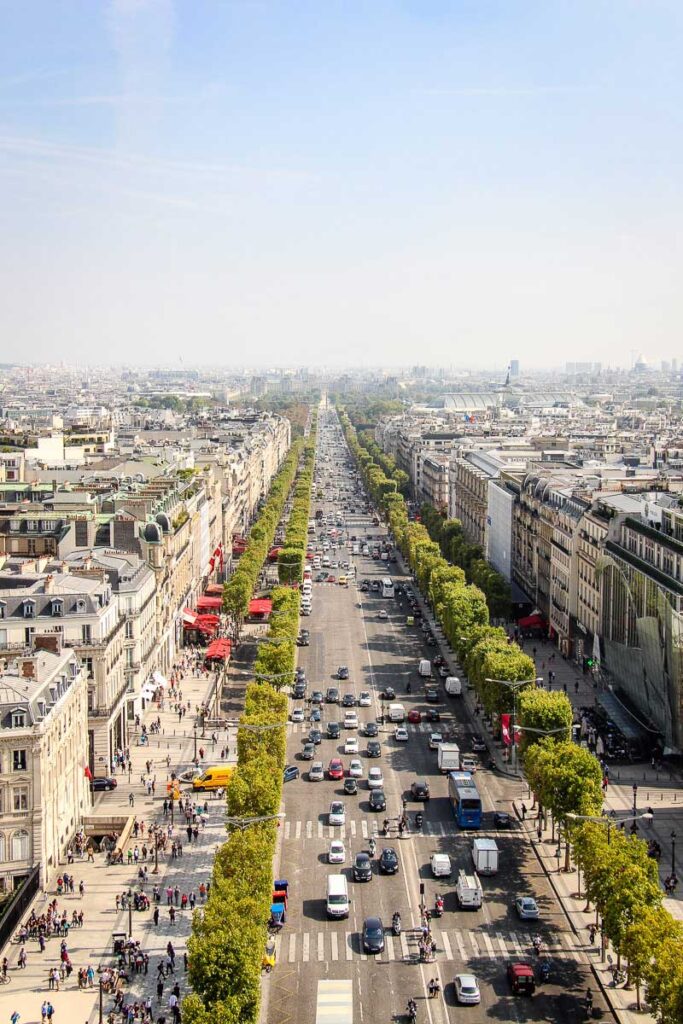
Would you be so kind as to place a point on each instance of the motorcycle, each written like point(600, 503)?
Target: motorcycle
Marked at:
point(385, 827)
point(372, 846)
point(396, 924)
point(419, 818)
point(438, 906)
point(537, 942)
point(545, 970)
point(588, 1003)
point(409, 688)
point(412, 1011)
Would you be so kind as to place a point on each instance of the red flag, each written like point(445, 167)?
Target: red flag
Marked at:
point(505, 729)
point(87, 773)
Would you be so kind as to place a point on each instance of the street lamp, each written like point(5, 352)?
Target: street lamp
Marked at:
point(635, 798)
point(195, 742)
point(130, 913)
point(514, 685)
point(673, 854)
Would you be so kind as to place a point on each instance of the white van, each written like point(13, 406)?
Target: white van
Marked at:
point(453, 686)
point(337, 903)
point(397, 713)
point(425, 668)
point(469, 891)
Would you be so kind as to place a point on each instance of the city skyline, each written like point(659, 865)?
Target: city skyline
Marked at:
point(275, 184)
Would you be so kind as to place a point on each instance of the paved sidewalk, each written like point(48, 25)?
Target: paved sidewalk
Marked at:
point(92, 944)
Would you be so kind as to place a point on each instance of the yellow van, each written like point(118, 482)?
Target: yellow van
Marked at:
point(216, 777)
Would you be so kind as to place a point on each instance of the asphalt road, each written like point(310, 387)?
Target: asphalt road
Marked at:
point(346, 629)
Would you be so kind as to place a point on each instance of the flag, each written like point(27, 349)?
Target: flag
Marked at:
point(87, 773)
point(505, 729)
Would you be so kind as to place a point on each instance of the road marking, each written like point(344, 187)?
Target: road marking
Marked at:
point(570, 941)
point(287, 827)
point(364, 828)
point(461, 945)
point(405, 951)
point(349, 947)
point(320, 830)
point(335, 948)
point(309, 829)
point(297, 830)
point(475, 947)
point(489, 946)
point(442, 828)
point(446, 946)
point(321, 946)
point(292, 948)
point(352, 826)
point(307, 942)
point(428, 828)
point(515, 943)
point(330, 831)
point(389, 947)
point(343, 832)
point(501, 943)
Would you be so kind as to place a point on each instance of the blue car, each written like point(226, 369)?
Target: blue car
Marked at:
point(291, 772)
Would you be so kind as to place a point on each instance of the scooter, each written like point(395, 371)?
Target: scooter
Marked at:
point(396, 924)
point(438, 906)
point(545, 970)
point(412, 1011)
point(419, 818)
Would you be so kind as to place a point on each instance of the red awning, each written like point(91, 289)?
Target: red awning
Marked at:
point(218, 650)
point(205, 604)
point(214, 590)
point(531, 622)
point(189, 617)
point(208, 620)
point(260, 606)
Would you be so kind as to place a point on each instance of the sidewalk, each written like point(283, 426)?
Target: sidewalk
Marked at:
point(92, 944)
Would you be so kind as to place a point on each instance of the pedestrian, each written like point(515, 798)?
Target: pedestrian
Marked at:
point(43, 1010)
point(539, 832)
point(160, 987)
point(576, 686)
point(22, 958)
point(189, 833)
point(156, 916)
point(131, 799)
point(81, 888)
point(14, 1018)
point(176, 895)
point(171, 914)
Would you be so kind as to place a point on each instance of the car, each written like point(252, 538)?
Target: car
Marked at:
point(315, 715)
point(298, 715)
point(375, 778)
point(371, 729)
point(443, 672)
point(320, 577)
point(332, 695)
point(364, 699)
point(374, 748)
point(333, 730)
point(336, 853)
point(303, 641)
point(377, 801)
point(290, 772)
point(342, 672)
point(350, 786)
point(308, 752)
point(351, 745)
point(438, 660)
point(331, 579)
point(350, 720)
point(414, 716)
point(467, 989)
point(335, 769)
point(419, 790)
point(362, 868)
point(469, 763)
point(431, 695)
point(317, 697)
point(521, 979)
point(388, 693)
point(349, 700)
point(337, 813)
point(355, 768)
point(435, 739)
point(388, 861)
point(299, 691)
point(382, 614)
point(315, 736)
point(316, 773)
point(401, 734)
point(501, 819)
point(299, 673)
point(102, 784)
point(364, 587)
point(432, 715)
point(527, 908)
point(373, 935)
point(478, 744)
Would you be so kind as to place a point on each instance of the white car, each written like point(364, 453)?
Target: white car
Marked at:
point(336, 853)
point(298, 715)
point(316, 773)
point(365, 700)
point(383, 614)
point(435, 740)
point(337, 813)
point(350, 720)
point(401, 734)
point(355, 768)
point(351, 745)
point(375, 778)
point(467, 989)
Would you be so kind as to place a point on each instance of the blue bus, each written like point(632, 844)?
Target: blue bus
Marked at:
point(464, 799)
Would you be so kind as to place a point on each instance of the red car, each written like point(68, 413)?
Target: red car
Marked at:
point(414, 716)
point(331, 579)
point(335, 769)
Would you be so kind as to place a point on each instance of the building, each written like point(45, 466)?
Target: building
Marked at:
point(44, 792)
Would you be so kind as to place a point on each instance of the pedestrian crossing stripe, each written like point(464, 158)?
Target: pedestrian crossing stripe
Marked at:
point(367, 827)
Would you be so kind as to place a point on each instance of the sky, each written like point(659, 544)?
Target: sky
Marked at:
point(253, 182)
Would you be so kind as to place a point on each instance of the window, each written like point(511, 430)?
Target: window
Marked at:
point(57, 606)
point(129, 629)
point(20, 845)
point(18, 760)
point(86, 634)
point(20, 798)
point(2, 609)
point(3, 855)
point(29, 609)
point(18, 718)
point(80, 605)
point(32, 525)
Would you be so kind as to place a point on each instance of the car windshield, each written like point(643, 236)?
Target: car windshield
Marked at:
point(373, 932)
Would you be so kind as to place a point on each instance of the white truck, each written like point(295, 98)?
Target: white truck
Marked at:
point(424, 668)
point(453, 686)
point(448, 757)
point(397, 713)
point(441, 865)
point(468, 891)
point(485, 856)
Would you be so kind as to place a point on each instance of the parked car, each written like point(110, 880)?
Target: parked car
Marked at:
point(103, 784)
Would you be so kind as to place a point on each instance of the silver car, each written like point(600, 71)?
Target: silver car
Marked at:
point(316, 773)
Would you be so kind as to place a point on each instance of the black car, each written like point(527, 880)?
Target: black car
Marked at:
point(362, 868)
point(315, 715)
point(348, 700)
point(364, 587)
point(371, 729)
point(291, 772)
point(303, 641)
point(299, 691)
point(317, 697)
point(431, 695)
point(478, 744)
point(315, 736)
point(378, 801)
point(501, 819)
point(374, 748)
point(350, 787)
point(388, 861)
point(420, 789)
point(333, 730)
point(102, 784)
point(388, 693)
point(373, 935)
point(332, 695)
point(308, 752)
point(342, 672)
point(432, 715)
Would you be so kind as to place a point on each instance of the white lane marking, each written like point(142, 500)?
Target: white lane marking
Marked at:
point(501, 943)
point(515, 943)
point(343, 832)
point(320, 830)
point(353, 829)
point(287, 828)
point(489, 946)
point(364, 828)
point(446, 946)
point(321, 946)
point(331, 829)
point(335, 948)
point(473, 940)
point(309, 829)
point(349, 947)
point(461, 945)
point(405, 951)
point(389, 947)
point(307, 944)
point(292, 948)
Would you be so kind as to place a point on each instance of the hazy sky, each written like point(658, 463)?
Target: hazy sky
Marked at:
point(433, 181)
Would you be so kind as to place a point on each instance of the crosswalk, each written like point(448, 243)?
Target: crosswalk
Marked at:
point(452, 945)
point(367, 827)
point(414, 727)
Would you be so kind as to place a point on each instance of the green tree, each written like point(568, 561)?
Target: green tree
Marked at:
point(542, 713)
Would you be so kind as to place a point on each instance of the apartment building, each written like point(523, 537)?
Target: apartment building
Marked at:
point(43, 738)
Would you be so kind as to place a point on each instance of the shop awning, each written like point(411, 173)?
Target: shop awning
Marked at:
point(214, 590)
point(260, 606)
point(159, 679)
point(205, 604)
point(189, 617)
point(218, 650)
point(532, 622)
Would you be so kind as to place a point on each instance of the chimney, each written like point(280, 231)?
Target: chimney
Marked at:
point(48, 642)
point(28, 669)
point(49, 583)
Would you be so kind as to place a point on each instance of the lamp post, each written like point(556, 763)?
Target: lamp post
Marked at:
point(130, 913)
point(195, 743)
point(635, 798)
point(101, 998)
point(514, 685)
point(673, 854)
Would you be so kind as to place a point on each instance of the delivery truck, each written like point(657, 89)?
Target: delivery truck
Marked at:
point(485, 856)
point(453, 686)
point(448, 757)
point(468, 891)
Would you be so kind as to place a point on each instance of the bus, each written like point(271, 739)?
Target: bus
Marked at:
point(464, 799)
point(387, 587)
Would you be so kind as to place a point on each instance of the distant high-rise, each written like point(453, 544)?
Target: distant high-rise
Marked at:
point(674, 366)
point(514, 367)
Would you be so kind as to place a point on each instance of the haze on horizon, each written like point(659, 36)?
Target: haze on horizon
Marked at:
point(443, 182)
